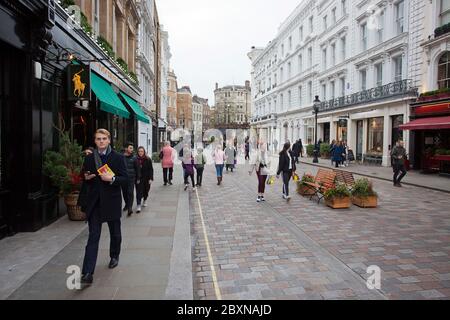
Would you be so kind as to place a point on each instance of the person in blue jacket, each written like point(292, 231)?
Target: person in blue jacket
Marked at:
point(337, 153)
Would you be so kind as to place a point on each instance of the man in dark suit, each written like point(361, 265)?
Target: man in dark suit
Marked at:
point(104, 201)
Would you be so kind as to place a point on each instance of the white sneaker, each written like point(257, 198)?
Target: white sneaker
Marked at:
point(284, 196)
point(288, 198)
point(144, 204)
point(194, 188)
point(263, 199)
point(258, 199)
point(185, 187)
point(138, 209)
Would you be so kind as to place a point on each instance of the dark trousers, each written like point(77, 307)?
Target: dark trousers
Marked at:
point(186, 176)
point(261, 182)
point(200, 176)
point(247, 155)
point(230, 166)
point(296, 159)
point(168, 174)
point(286, 178)
point(142, 190)
point(128, 194)
point(95, 230)
point(399, 168)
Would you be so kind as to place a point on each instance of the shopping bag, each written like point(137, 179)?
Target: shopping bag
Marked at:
point(271, 180)
point(296, 177)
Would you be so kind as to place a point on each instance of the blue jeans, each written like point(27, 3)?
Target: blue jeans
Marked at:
point(219, 170)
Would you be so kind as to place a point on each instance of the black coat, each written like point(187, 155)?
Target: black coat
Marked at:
point(146, 170)
point(296, 149)
point(108, 196)
point(283, 164)
point(132, 167)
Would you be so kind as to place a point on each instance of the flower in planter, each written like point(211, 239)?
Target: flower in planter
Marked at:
point(306, 178)
point(339, 191)
point(363, 188)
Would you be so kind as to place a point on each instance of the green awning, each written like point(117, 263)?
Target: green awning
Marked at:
point(141, 116)
point(109, 101)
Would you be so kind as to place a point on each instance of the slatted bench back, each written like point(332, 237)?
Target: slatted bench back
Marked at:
point(326, 178)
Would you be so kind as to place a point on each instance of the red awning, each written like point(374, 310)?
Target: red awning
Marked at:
point(427, 124)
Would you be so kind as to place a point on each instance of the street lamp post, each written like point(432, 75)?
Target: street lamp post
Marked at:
point(315, 112)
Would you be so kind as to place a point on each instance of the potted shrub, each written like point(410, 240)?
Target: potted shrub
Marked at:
point(338, 197)
point(63, 167)
point(325, 150)
point(310, 150)
point(363, 194)
point(303, 188)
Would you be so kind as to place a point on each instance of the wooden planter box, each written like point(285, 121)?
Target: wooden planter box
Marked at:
point(305, 191)
point(339, 203)
point(365, 202)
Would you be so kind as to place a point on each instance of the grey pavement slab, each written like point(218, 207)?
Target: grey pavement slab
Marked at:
point(146, 260)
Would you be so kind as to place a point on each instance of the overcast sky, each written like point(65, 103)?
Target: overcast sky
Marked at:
point(210, 39)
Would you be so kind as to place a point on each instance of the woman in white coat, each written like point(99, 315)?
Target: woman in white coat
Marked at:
point(261, 165)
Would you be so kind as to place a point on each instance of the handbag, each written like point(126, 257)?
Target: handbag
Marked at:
point(161, 155)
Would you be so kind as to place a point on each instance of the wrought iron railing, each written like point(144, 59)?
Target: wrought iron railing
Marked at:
point(393, 89)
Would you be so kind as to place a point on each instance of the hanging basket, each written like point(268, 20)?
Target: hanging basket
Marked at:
point(73, 210)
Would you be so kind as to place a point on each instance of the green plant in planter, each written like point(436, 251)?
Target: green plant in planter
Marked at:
point(339, 191)
point(325, 150)
point(306, 178)
point(363, 188)
point(63, 167)
point(442, 152)
point(310, 150)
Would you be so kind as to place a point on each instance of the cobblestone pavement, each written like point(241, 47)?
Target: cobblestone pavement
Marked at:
point(305, 250)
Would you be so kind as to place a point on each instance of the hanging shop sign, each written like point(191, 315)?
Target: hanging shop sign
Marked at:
point(79, 82)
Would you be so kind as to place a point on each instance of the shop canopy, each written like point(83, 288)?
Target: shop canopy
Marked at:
point(109, 101)
point(136, 108)
point(428, 124)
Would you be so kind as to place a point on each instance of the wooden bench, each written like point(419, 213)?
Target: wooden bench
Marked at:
point(345, 177)
point(324, 180)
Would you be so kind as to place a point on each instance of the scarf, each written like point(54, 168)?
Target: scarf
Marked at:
point(141, 160)
point(98, 159)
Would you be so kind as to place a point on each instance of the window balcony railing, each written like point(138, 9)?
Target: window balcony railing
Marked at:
point(442, 30)
point(403, 87)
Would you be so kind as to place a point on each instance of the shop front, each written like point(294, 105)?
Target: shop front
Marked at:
point(430, 127)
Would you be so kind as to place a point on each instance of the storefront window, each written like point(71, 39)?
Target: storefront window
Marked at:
point(342, 130)
point(310, 135)
point(397, 133)
point(375, 136)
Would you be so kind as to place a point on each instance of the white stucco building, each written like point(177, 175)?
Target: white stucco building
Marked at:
point(145, 69)
point(197, 115)
point(165, 68)
point(362, 58)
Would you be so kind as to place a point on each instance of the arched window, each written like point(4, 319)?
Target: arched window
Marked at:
point(444, 71)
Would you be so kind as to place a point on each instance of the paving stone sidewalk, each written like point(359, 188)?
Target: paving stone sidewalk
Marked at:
point(147, 261)
point(303, 250)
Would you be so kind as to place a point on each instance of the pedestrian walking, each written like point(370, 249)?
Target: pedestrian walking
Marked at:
point(103, 201)
point(337, 154)
point(332, 146)
point(219, 161)
point(188, 168)
point(296, 150)
point(286, 166)
point(200, 162)
point(345, 159)
point(275, 146)
point(133, 177)
point(262, 167)
point(230, 155)
point(247, 150)
point(398, 155)
point(167, 156)
point(300, 143)
point(145, 167)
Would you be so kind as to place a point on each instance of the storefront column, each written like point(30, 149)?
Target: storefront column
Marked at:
point(387, 134)
point(351, 135)
point(365, 136)
point(320, 131)
point(333, 128)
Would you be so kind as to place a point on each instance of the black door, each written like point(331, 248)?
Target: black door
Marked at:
point(11, 79)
